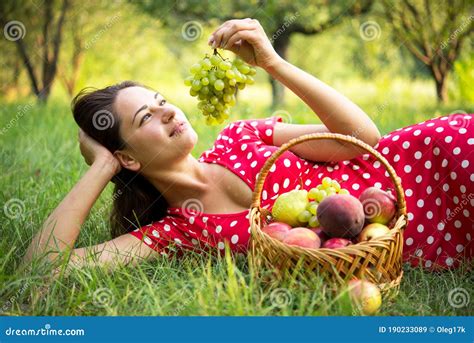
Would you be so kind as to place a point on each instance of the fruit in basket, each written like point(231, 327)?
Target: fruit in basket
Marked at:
point(302, 237)
point(379, 206)
point(316, 195)
point(320, 232)
point(215, 80)
point(341, 215)
point(372, 231)
point(277, 230)
point(365, 296)
point(335, 243)
point(288, 206)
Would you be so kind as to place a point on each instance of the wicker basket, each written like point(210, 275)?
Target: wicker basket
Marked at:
point(378, 260)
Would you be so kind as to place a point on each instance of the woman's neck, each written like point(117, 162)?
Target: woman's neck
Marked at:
point(187, 179)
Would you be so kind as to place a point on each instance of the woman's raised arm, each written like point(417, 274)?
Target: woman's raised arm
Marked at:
point(247, 39)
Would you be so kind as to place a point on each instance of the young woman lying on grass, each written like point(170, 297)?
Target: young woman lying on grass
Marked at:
point(145, 149)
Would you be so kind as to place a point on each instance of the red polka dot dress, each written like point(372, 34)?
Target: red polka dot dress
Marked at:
point(432, 158)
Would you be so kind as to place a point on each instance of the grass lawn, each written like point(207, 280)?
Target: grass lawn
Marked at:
point(40, 162)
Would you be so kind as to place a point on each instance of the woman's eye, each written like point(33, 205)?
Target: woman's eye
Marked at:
point(162, 102)
point(146, 116)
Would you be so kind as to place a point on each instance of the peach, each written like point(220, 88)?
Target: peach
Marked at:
point(335, 243)
point(302, 237)
point(341, 215)
point(277, 230)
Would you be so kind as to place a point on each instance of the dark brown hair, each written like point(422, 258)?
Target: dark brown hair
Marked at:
point(135, 200)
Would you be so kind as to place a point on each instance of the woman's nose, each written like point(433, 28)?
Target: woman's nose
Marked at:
point(168, 114)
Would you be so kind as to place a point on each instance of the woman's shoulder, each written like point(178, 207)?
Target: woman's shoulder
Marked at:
point(256, 129)
point(243, 132)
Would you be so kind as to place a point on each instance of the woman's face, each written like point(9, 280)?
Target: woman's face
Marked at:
point(147, 123)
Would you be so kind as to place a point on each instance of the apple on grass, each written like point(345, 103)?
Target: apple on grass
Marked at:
point(365, 296)
point(302, 237)
point(277, 230)
point(372, 231)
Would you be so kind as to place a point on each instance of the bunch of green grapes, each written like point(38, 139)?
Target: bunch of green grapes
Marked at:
point(214, 81)
point(317, 194)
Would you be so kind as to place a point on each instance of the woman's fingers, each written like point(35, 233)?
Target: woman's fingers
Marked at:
point(226, 30)
point(248, 35)
point(234, 28)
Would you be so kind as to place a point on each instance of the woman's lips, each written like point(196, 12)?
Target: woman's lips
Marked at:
point(179, 129)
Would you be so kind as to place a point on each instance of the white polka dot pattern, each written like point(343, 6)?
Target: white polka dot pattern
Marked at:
point(431, 158)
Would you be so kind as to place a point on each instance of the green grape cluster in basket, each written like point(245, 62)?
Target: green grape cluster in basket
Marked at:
point(214, 81)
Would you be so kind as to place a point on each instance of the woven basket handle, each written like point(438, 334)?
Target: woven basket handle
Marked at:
point(401, 205)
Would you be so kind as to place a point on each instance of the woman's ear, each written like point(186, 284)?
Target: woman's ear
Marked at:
point(127, 161)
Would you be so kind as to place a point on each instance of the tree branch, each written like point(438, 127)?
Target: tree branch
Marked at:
point(29, 67)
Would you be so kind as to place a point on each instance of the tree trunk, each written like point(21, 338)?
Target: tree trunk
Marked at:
point(442, 89)
point(280, 44)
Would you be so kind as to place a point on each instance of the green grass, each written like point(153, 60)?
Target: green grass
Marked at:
point(40, 162)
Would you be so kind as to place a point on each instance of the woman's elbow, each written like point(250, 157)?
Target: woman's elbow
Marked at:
point(375, 138)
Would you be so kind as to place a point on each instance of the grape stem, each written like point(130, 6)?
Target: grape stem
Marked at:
point(216, 53)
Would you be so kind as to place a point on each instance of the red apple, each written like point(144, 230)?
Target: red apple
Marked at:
point(277, 230)
point(302, 237)
point(365, 295)
point(335, 243)
point(379, 206)
point(372, 231)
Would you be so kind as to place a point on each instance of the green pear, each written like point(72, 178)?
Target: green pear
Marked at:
point(288, 206)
